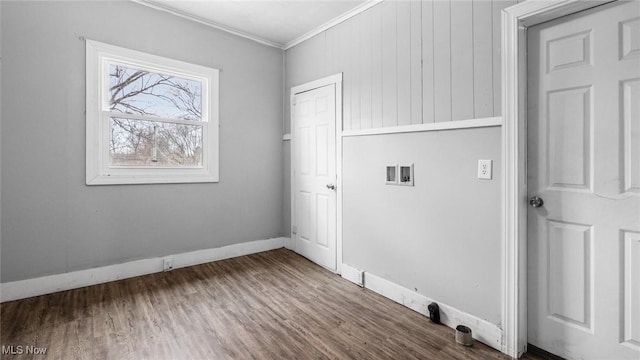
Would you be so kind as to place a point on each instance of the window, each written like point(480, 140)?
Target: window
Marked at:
point(150, 119)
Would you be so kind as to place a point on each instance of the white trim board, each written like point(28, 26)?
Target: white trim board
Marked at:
point(482, 330)
point(200, 20)
point(331, 23)
point(515, 20)
point(21, 289)
point(349, 14)
point(329, 80)
point(437, 126)
point(352, 274)
point(288, 243)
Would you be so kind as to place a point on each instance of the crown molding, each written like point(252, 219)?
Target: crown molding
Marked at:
point(349, 14)
point(198, 19)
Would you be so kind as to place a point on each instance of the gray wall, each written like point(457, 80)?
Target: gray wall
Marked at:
point(51, 221)
point(440, 237)
point(435, 237)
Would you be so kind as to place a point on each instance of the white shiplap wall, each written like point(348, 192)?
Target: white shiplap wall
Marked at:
point(414, 62)
point(409, 62)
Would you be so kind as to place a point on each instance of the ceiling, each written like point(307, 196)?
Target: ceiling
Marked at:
point(279, 23)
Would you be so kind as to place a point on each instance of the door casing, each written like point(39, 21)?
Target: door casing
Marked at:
point(329, 80)
point(515, 21)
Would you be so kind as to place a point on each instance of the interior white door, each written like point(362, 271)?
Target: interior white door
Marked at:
point(314, 171)
point(584, 163)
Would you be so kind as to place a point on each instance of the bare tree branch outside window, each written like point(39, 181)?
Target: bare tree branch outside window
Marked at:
point(136, 142)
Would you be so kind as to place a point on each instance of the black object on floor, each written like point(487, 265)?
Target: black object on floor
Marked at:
point(434, 312)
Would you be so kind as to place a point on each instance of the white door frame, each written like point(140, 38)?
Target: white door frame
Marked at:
point(329, 80)
point(515, 21)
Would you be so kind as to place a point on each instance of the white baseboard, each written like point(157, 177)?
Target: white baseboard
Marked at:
point(482, 330)
point(288, 243)
point(49, 284)
point(352, 274)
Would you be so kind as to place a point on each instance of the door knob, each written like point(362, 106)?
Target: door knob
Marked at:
point(536, 202)
point(331, 186)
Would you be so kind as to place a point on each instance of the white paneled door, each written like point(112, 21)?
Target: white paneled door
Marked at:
point(314, 171)
point(584, 184)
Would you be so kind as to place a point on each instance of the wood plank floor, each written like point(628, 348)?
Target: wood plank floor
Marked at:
point(272, 305)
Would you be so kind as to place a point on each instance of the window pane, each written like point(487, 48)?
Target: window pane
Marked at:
point(135, 91)
point(151, 143)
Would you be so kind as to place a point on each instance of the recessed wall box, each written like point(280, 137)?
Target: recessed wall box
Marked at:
point(392, 174)
point(406, 175)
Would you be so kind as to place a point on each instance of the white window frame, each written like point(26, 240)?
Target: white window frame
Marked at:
point(98, 114)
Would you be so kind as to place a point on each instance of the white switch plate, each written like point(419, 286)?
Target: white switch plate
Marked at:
point(485, 169)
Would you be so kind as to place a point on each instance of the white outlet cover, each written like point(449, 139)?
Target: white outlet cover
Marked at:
point(167, 264)
point(485, 169)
